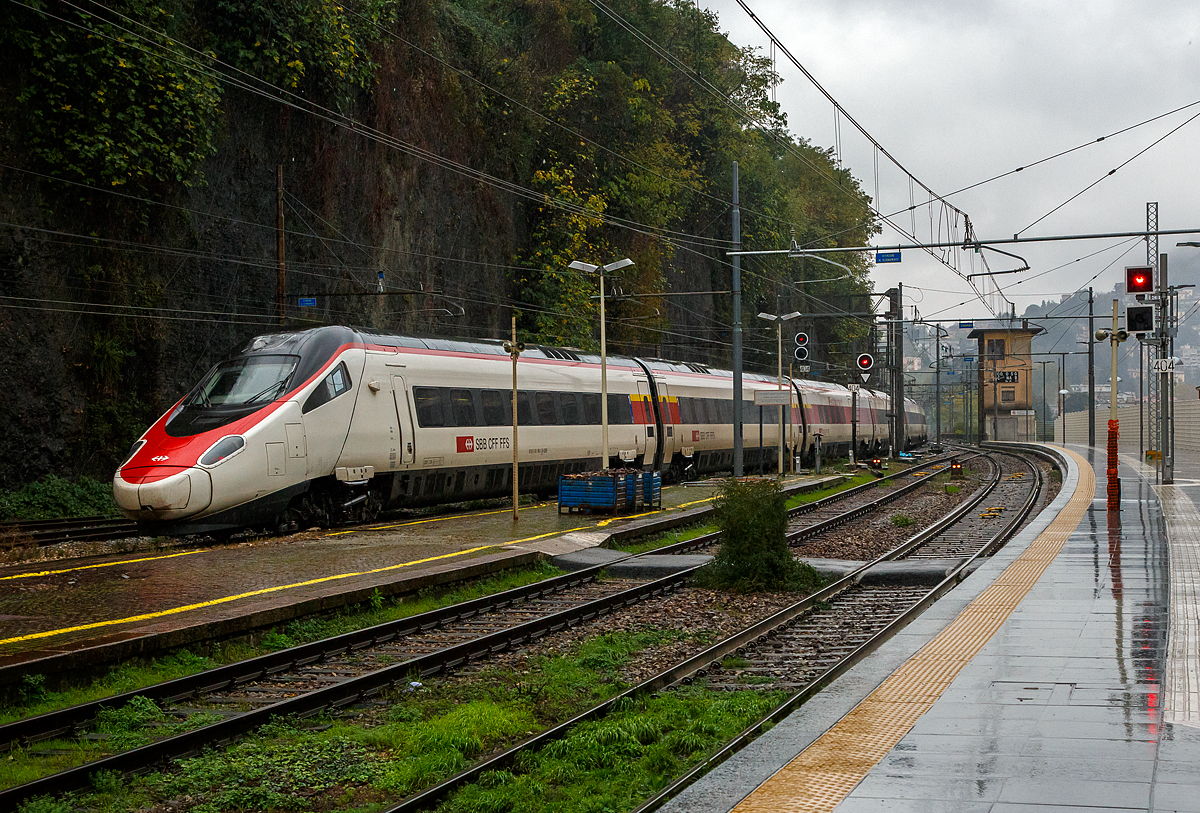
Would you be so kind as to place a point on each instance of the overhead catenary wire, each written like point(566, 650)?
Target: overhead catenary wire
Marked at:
point(295, 101)
point(237, 83)
point(1111, 172)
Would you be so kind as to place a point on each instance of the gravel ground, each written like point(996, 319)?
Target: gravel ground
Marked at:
point(706, 616)
point(872, 536)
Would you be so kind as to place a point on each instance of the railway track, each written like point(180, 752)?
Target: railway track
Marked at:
point(40, 532)
point(331, 674)
point(802, 648)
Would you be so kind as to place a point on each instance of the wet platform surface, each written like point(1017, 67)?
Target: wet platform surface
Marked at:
point(180, 595)
point(1068, 706)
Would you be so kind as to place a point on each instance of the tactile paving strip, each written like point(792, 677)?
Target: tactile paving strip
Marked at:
point(1181, 686)
point(821, 775)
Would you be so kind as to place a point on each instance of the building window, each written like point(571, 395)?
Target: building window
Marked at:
point(1008, 395)
point(995, 348)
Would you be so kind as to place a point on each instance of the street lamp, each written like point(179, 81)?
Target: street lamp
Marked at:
point(588, 268)
point(779, 320)
point(1063, 393)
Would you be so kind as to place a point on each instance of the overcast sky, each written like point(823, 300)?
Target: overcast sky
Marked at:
point(959, 92)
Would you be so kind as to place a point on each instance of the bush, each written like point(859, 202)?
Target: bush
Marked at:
point(57, 498)
point(754, 555)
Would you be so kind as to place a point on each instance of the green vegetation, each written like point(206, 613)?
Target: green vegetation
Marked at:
point(850, 482)
point(665, 538)
point(615, 763)
point(32, 697)
point(952, 489)
point(754, 555)
point(55, 497)
point(427, 733)
point(902, 520)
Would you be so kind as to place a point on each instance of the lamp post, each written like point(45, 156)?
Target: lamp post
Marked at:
point(1045, 403)
point(588, 268)
point(779, 320)
point(1063, 393)
point(514, 349)
point(1115, 336)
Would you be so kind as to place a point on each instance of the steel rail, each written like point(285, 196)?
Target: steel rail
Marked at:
point(807, 508)
point(689, 668)
point(64, 721)
point(333, 696)
point(801, 697)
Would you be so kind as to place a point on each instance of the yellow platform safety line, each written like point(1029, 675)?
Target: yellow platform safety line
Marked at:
point(821, 776)
point(101, 564)
point(264, 591)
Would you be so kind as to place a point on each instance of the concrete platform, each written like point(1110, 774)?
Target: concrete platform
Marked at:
point(80, 613)
point(1084, 696)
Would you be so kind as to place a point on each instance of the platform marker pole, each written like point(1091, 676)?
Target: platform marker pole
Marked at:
point(514, 349)
point(1114, 482)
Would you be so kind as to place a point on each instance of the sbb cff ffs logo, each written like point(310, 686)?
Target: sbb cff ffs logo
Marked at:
point(466, 443)
point(801, 347)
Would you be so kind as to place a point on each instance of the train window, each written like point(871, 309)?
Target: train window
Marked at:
point(333, 385)
point(497, 408)
point(685, 410)
point(547, 414)
point(619, 410)
point(726, 408)
point(591, 408)
point(570, 408)
point(462, 404)
point(429, 406)
point(524, 408)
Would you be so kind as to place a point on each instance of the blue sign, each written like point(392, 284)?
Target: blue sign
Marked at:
point(966, 325)
point(308, 301)
point(965, 358)
point(887, 256)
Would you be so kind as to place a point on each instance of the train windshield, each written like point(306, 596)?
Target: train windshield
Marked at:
point(232, 390)
point(244, 382)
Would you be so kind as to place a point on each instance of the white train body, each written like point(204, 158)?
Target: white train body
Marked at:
point(334, 424)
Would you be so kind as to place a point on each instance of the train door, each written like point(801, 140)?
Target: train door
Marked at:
point(799, 422)
point(328, 412)
point(666, 417)
point(404, 415)
point(652, 459)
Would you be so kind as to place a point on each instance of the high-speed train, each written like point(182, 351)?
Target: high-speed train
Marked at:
point(335, 424)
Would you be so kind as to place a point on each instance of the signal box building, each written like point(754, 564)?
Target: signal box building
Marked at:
point(1005, 381)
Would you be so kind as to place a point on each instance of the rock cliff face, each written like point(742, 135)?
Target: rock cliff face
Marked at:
point(460, 153)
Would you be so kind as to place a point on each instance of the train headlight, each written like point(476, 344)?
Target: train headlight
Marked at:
point(224, 448)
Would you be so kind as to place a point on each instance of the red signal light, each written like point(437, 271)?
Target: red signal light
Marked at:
point(1139, 279)
point(802, 340)
point(865, 361)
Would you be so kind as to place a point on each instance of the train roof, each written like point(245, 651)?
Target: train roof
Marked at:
point(331, 336)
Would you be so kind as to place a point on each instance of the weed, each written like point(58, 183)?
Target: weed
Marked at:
point(952, 489)
point(376, 600)
point(734, 662)
point(32, 688)
point(754, 555)
point(616, 762)
point(902, 520)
